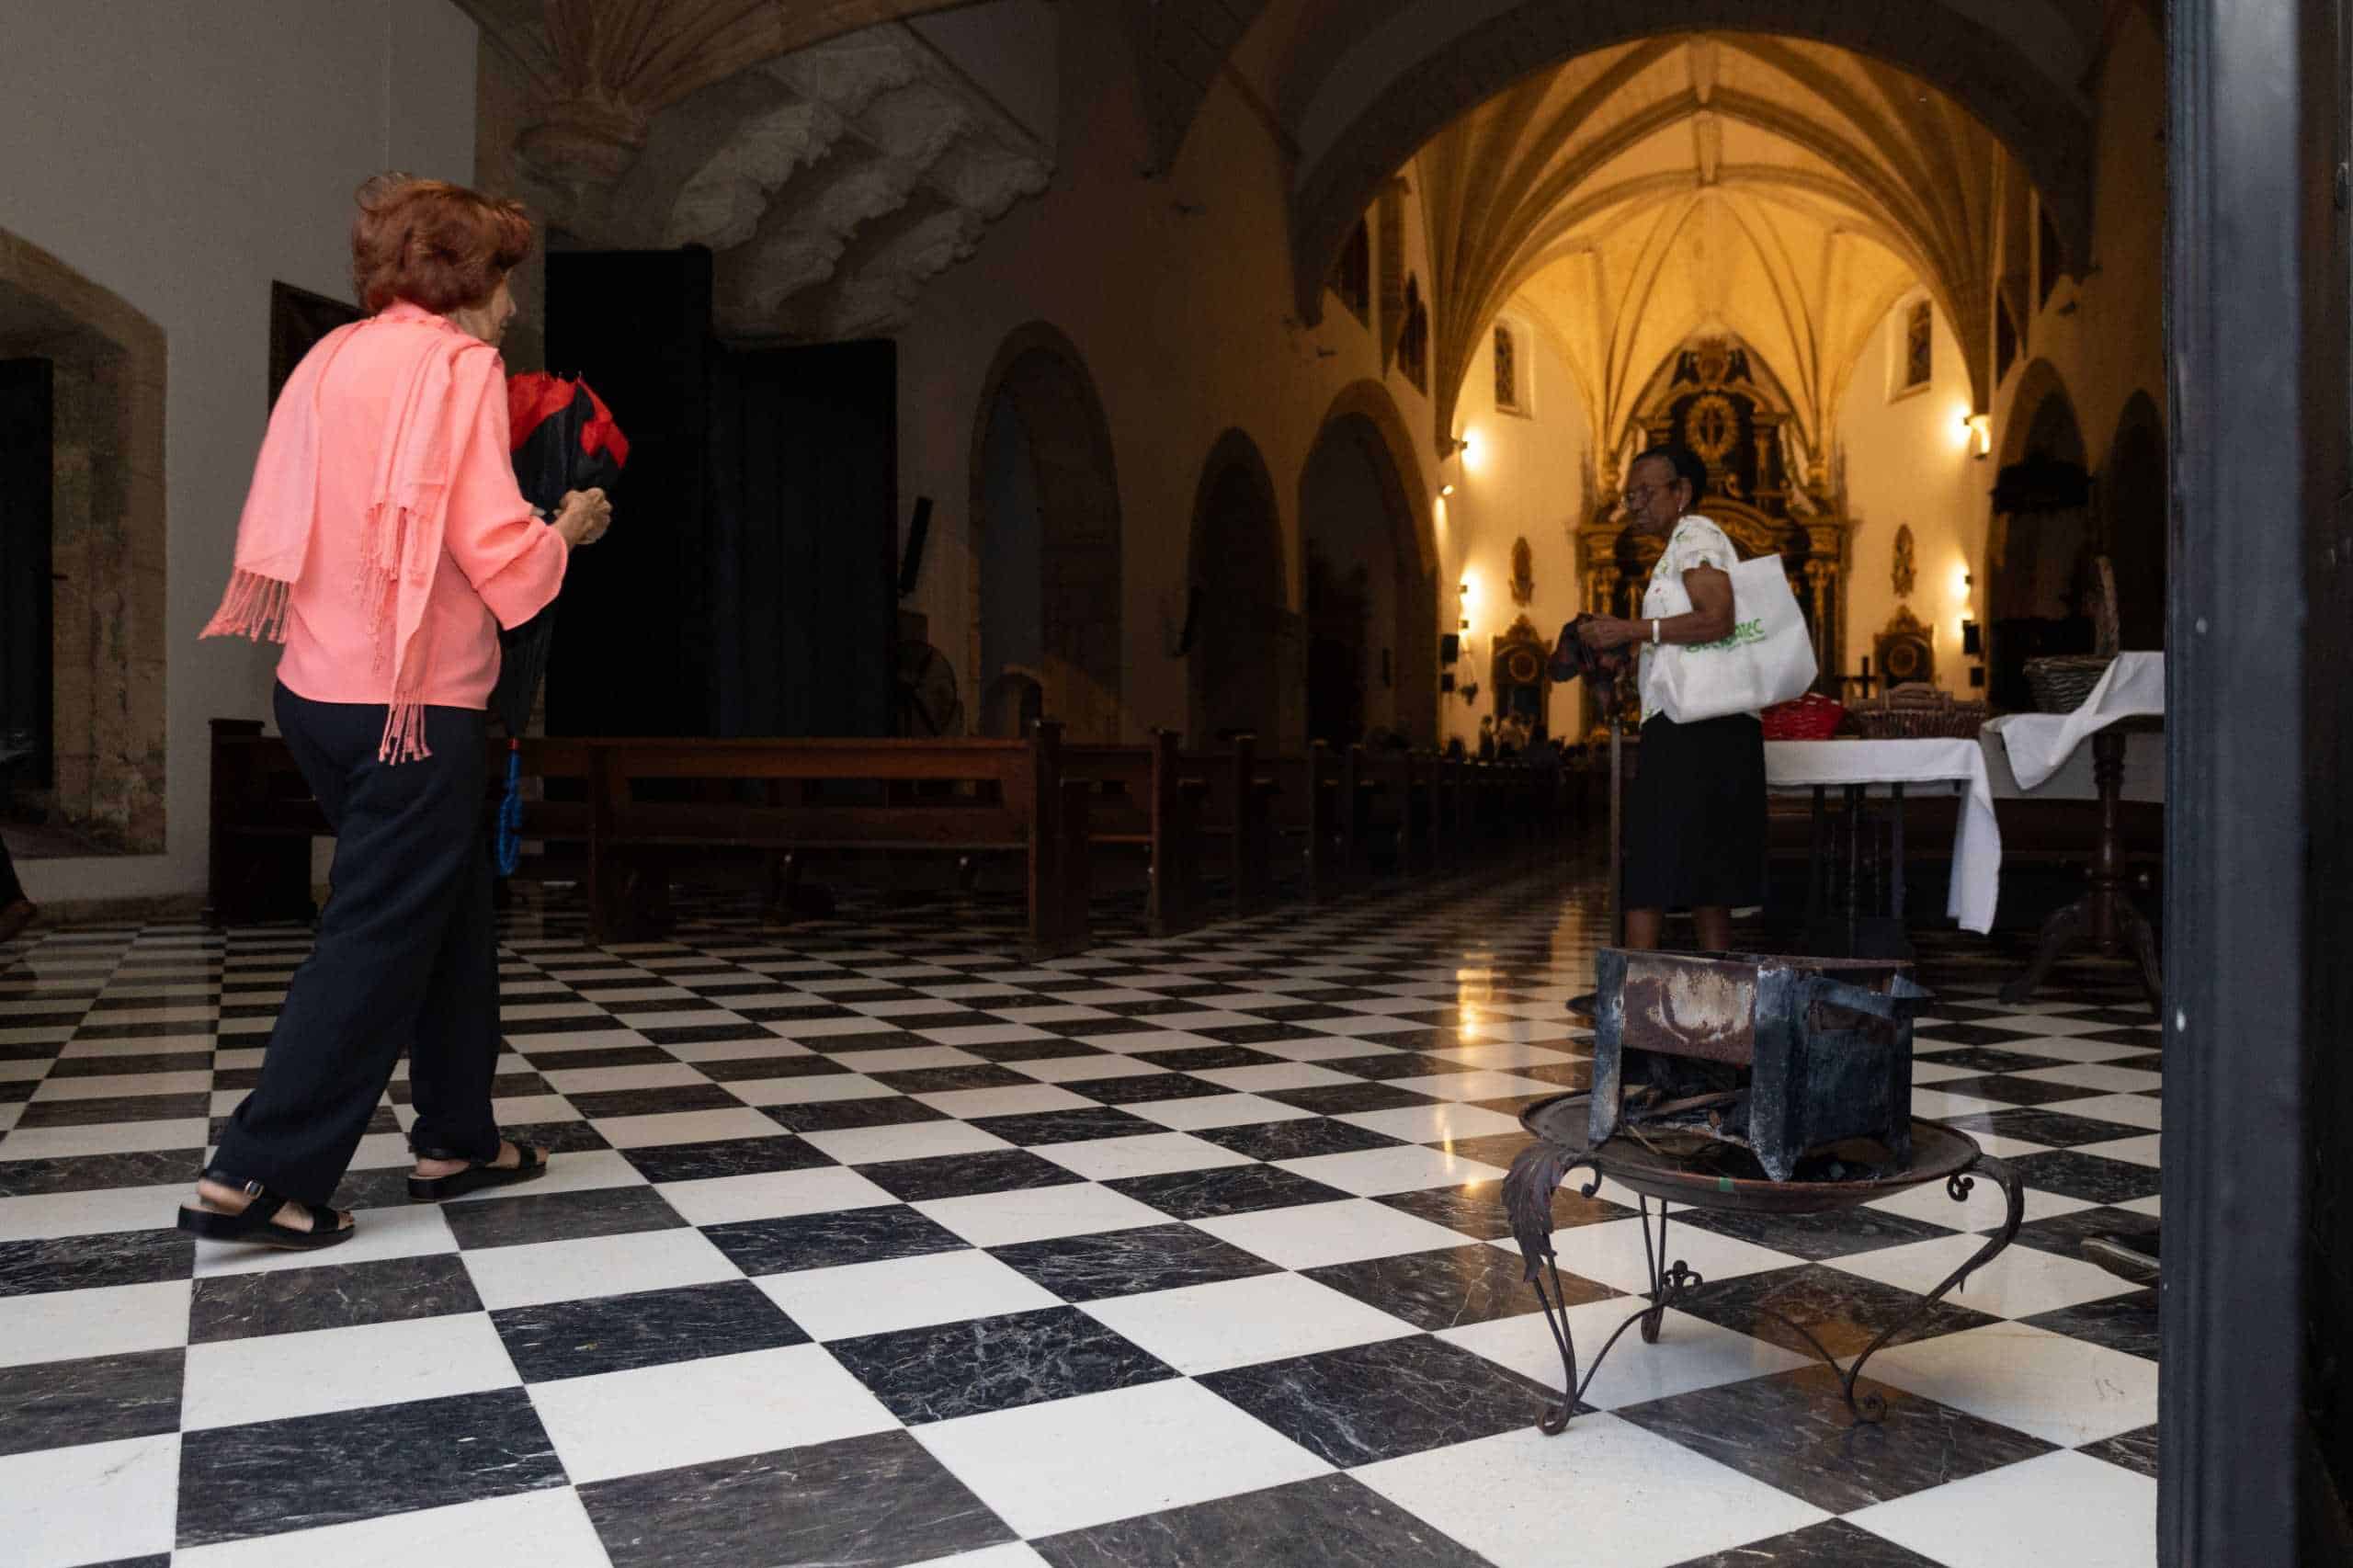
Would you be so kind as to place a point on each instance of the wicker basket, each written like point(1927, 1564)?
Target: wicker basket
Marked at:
point(1812, 717)
point(2062, 682)
point(1914, 713)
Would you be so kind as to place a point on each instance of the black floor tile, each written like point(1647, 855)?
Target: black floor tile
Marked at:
point(329, 1295)
point(1042, 1128)
point(961, 1175)
point(1131, 1262)
point(830, 1240)
point(726, 1157)
point(1225, 1189)
point(1298, 1139)
point(1833, 1544)
point(1451, 1287)
point(85, 1263)
point(1145, 1088)
point(1000, 1363)
point(558, 1216)
point(840, 1116)
point(1383, 1400)
point(645, 1328)
point(97, 1399)
point(2134, 1451)
point(1841, 1233)
point(1844, 1310)
point(1347, 1100)
point(1477, 1208)
point(2089, 1176)
point(1333, 1521)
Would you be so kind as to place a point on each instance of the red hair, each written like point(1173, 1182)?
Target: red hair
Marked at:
point(433, 244)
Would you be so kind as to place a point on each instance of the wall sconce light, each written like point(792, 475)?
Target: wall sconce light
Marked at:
point(1445, 490)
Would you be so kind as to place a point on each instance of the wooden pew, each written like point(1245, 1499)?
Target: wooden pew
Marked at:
point(1149, 796)
point(263, 818)
point(1304, 816)
point(1007, 796)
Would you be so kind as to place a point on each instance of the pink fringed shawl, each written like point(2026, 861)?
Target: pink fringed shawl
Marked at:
point(434, 406)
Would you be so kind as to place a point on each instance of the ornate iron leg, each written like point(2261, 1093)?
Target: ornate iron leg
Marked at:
point(1959, 1185)
point(1669, 1284)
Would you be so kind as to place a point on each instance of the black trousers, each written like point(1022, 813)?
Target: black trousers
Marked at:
point(11, 889)
point(407, 957)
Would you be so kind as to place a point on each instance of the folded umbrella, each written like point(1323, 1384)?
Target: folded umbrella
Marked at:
point(563, 439)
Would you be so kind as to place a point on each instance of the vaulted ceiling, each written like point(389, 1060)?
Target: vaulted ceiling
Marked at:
point(1787, 191)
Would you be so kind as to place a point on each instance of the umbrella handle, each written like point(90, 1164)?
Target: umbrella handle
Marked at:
point(509, 847)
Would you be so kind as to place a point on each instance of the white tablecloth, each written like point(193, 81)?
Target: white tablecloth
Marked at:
point(2038, 743)
point(1977, 843)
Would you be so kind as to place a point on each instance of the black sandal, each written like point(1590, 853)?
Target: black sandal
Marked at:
point(530, 1164)
point(256, 1221)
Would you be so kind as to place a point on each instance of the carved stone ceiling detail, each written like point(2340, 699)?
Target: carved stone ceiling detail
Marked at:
point(1790, 192)
point(831, 156)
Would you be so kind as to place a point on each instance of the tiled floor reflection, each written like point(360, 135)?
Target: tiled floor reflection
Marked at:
point(869, 1243)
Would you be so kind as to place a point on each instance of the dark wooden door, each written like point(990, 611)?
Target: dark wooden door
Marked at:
point(27, 684)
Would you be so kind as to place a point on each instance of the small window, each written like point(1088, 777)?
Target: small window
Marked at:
point(1414, 340)
point(1352, 277)
point(1919, 346)
point(1511, 394)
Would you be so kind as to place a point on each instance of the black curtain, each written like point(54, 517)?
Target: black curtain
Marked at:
point(26, 563)
point(804, 517)
point(747, 586)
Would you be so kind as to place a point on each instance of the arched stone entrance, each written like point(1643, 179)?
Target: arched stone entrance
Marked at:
point(1369, 588)
point(84, 443)
point(2136, 521)
point(1240, 633)
point(1046, 534)
point(2041, 540)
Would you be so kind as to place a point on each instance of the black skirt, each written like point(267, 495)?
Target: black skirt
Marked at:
point(1694, 816)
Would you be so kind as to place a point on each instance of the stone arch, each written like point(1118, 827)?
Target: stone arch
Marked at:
point(1988, 73)
point(1363, 509)
point(2136, 521)
point(1048, 585)
point(2042, 532)
point(107, 549)
point(1238, 610)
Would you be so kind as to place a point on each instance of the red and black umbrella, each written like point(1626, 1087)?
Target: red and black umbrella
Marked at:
point(563, 439)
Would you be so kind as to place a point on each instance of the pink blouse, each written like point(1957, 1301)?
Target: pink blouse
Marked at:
point(500, 565)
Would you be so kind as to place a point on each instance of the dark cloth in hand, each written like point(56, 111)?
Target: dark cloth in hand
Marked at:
point(1571, 659)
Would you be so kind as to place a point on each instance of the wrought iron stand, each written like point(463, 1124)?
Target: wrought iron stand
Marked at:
point(1672, 1284)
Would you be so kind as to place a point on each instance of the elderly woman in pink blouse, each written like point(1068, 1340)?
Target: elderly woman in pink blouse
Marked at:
point(384, 542)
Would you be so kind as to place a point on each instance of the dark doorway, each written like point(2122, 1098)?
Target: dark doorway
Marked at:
point(1339, 613)
point(27, 681)
point(1236, 609)
point(2133, 497)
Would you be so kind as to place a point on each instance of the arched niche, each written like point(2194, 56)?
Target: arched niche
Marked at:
point(1368, 584)
point(1236, 625)
point(1046, 534)
point(2136, 521)
point(2043, 533)
point(81, 460)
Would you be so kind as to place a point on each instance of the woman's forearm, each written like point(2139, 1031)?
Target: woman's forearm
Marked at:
point(1688, 629)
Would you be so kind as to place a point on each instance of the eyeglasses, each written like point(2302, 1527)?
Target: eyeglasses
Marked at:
point(1639, 493)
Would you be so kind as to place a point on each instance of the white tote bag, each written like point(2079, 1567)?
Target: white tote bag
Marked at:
point(1768, 658)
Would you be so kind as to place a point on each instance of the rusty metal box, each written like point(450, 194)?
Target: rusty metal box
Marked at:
point(1802, 1052)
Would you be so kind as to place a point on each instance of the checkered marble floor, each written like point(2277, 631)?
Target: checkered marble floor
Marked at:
point(868, 1243)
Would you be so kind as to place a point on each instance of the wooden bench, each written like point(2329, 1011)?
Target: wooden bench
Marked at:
point(263, 818)
point(1149, 796)
point(968, 798)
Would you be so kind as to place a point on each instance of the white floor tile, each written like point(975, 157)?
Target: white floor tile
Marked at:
point(88, 1214)
point(600, 1080)
point(818, 1089)
point(2132, 1110)
point(104, 1138)
point(539, 1272)
point(1691, 1353)
point(1370, 1173)
point(772, 1195)
point(1029, 1100)
point(1271, 1077)
point(112, 1320)
point(1632, 1499)
point(903, 1292)
point(1982, 1209)
point(1085, 1069)
point(1151, 1154)
point(2093, 1075)
point(1237, 1322)
point(275, 1377)
point(60, 1507)
point(1478, 1086)
point(2061, 1510)
point(692, 1412)
point(908, 1140)
point(549, 1527)
point(2137, 1151)
point(1312, 1234)
point(1040, 1213)
point(1216, 1110)
point(2018, 1283)
point(683, 1126)
point(2065, 1391)
point(1075, 1462)
point(1441, 1124)
point(112, 1084)
point(906, 1058)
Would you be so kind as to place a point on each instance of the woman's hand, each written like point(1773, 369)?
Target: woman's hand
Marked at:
point(1602, 632)
point(584, 516)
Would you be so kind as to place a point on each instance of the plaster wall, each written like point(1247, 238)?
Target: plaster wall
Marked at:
point(184, 166)
point(1176, 294)
point(1524, 477)
point(1910, 458)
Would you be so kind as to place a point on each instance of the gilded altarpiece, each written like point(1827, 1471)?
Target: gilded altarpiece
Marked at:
point(1713, 400)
